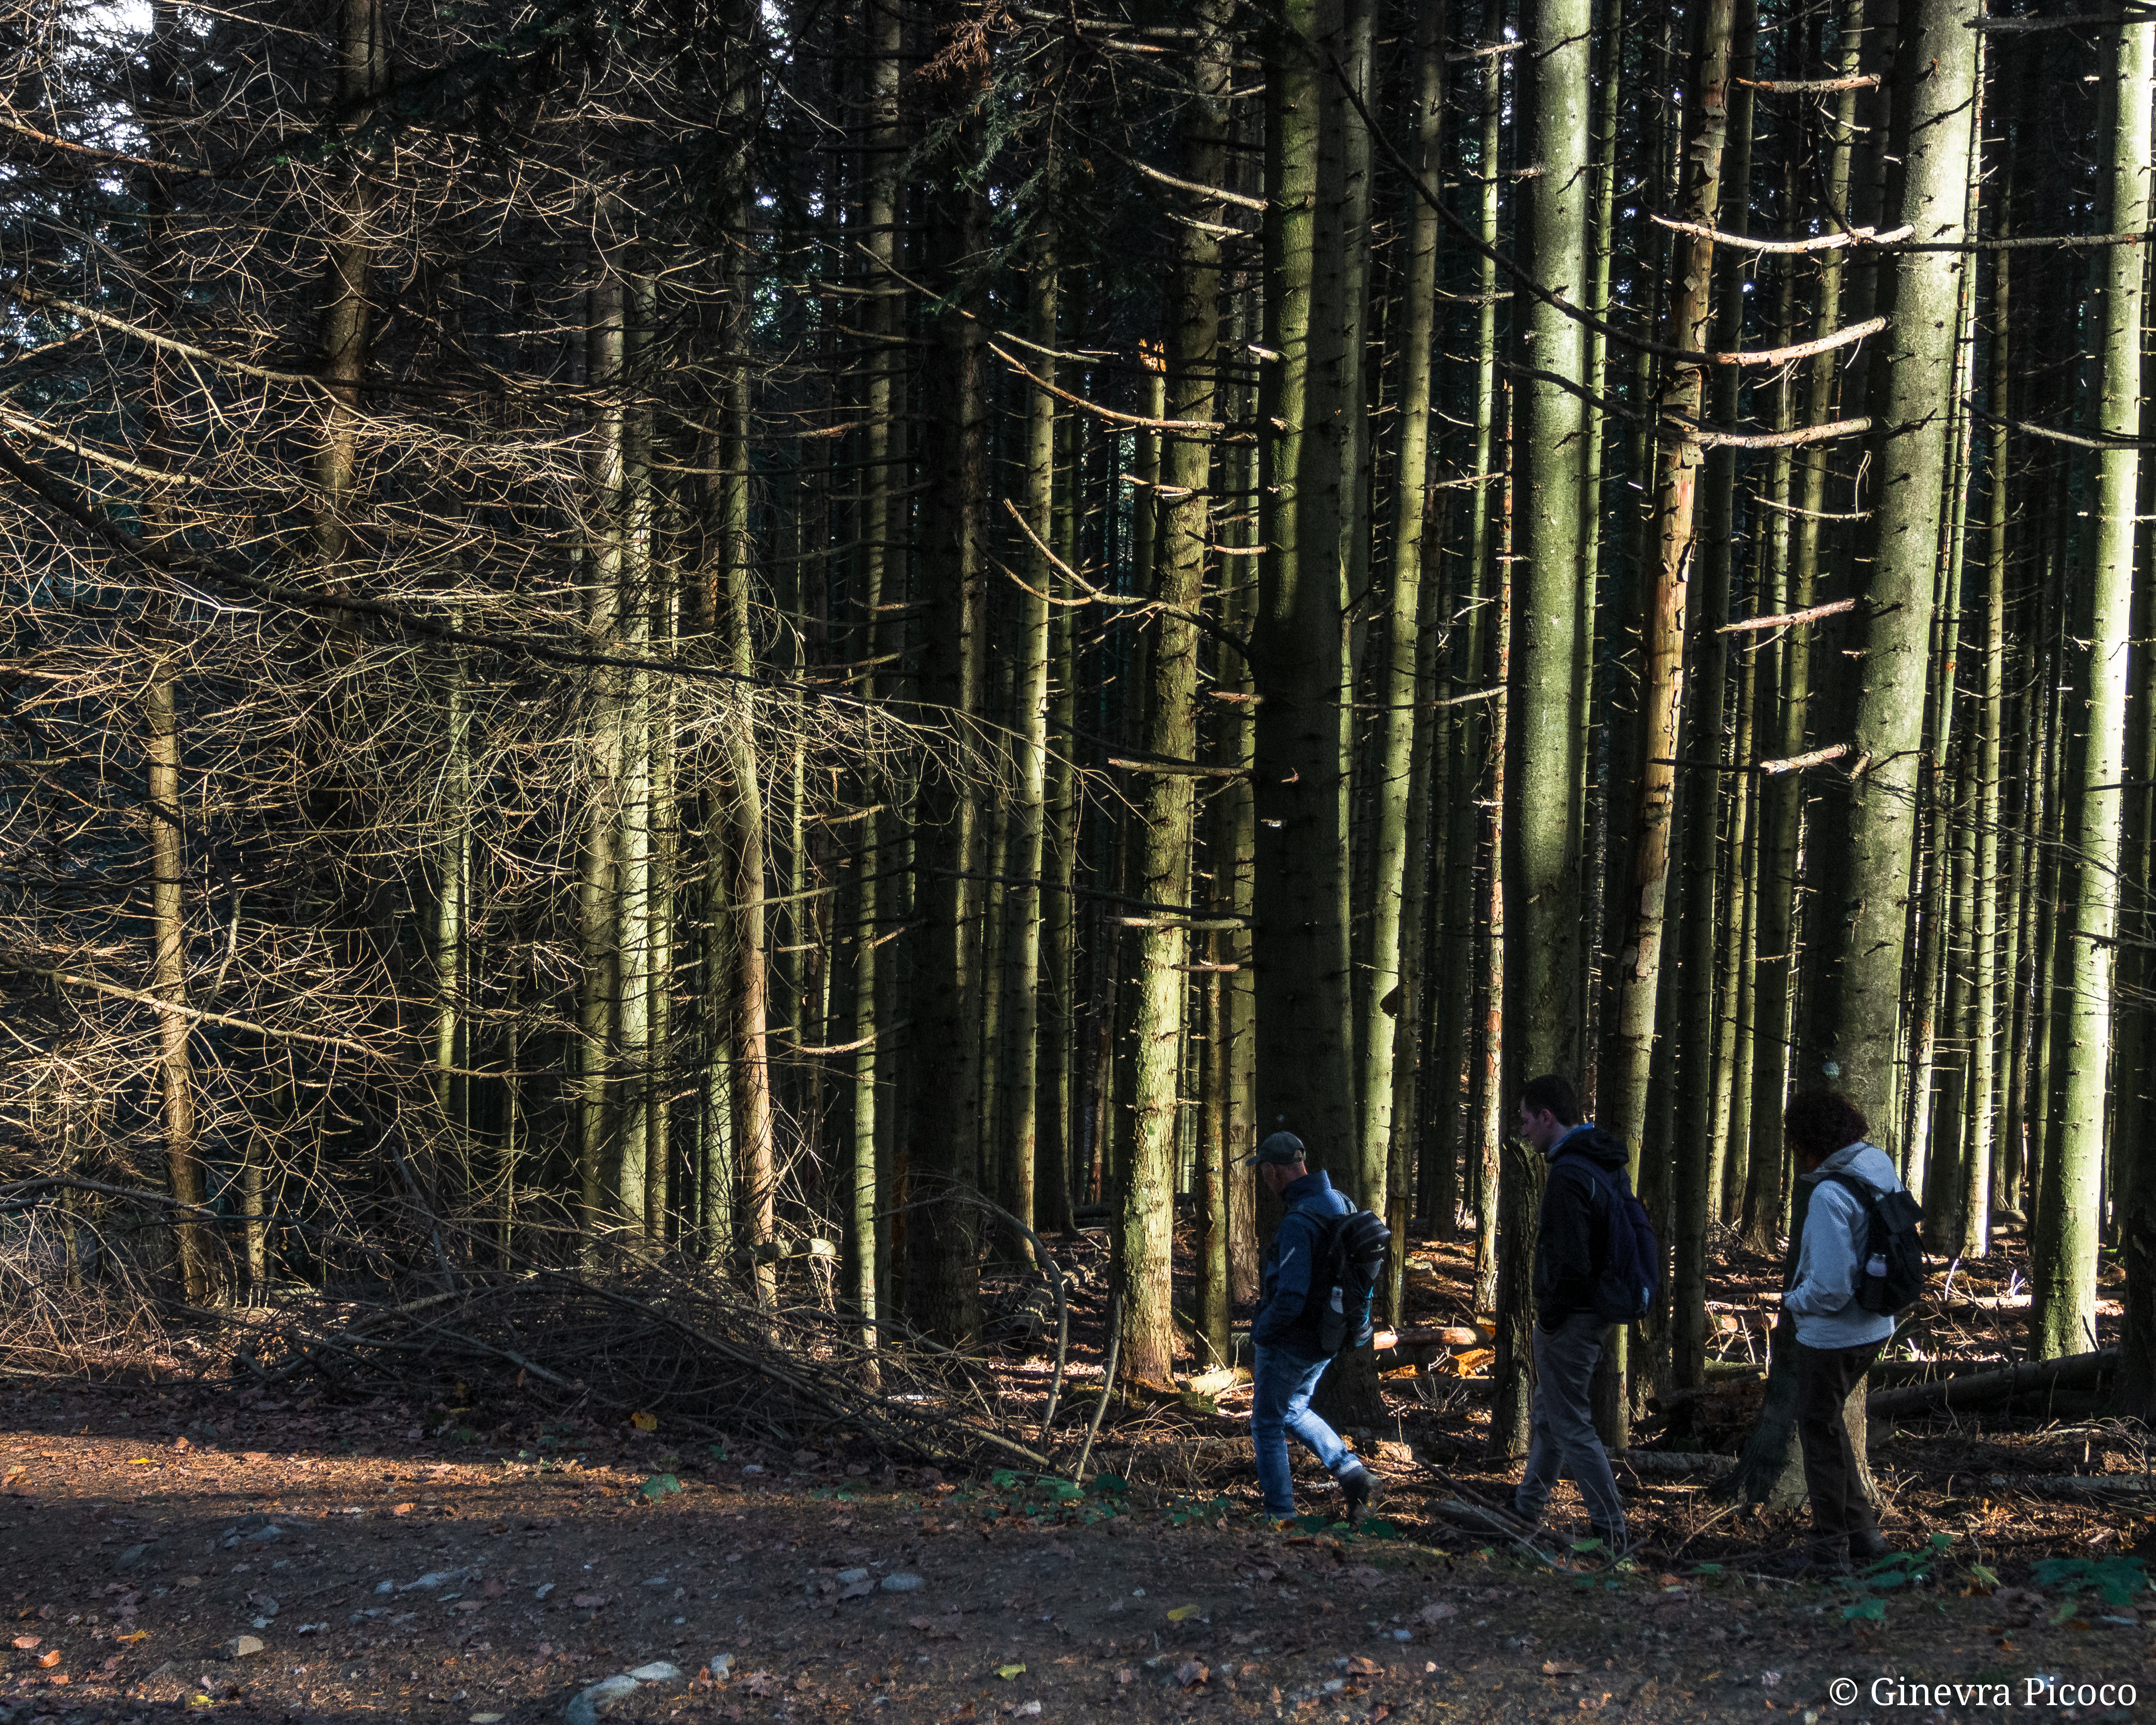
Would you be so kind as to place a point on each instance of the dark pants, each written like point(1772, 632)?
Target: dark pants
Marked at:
point(1563, 1437)
point(1824, 1378)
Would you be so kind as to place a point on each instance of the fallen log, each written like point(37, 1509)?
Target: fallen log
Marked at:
point(1728, 1388)
point(1888, 1373)
point(2078, 1485)
point(1969, 1389)
point(1422, 1342)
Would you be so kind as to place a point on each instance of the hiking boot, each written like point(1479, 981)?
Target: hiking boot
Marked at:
point(1866, 1545)
point(1356, 1489)
point(1514, 1521)
point(1815, 1560)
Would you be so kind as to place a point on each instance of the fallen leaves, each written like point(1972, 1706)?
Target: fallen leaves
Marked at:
point(588, 1602)
point(1010, 1673)
point(26, 1644)
point(1191, 1673)
point(1558, 1668)
point(1182, 1613)
point(644, 1422)
point(402, 1509)
point(47, 1661)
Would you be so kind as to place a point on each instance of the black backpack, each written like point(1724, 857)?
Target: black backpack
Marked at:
point(1893, 1243)
point(1628, 1273)
point(1349, 1258)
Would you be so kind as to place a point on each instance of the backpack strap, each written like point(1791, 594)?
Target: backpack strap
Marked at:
point(1867, 1195)
point(1600, 1176)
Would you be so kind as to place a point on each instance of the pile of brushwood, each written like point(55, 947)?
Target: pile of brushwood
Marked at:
point(754, 1346)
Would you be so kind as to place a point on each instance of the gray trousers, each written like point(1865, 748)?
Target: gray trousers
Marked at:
point(1564, 1438)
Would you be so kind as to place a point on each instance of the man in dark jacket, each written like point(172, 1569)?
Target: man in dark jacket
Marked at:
point(1570, 1247)
point(1288, 1361)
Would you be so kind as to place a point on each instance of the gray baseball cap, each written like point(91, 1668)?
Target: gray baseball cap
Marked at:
point(1282, 1149)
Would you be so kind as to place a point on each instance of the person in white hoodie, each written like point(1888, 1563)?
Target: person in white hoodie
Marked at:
point(1837, 1339)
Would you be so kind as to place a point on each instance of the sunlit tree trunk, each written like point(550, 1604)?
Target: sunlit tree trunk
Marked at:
point(1544, 885)
point(599, 889)
point(1146, 1225)
point(1864, 937)
point(635, 911)
point(1029, 813)
point(2063, 1250)
point(1978, 1164)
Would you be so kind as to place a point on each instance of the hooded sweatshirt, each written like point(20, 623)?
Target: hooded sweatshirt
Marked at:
point(1575, 1221)
point(1822, 1293)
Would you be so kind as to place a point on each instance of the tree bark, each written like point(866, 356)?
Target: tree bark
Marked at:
point(2063, 1250)
point(1858, 1010)
point(942, 1283)
point(1543, 832)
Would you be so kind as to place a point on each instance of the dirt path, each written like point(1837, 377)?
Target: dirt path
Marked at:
point(388, 1575)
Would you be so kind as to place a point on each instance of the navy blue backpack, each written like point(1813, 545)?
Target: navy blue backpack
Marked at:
point(1629, 1271)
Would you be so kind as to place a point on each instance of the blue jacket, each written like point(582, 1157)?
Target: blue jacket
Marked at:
point(1282, 1321)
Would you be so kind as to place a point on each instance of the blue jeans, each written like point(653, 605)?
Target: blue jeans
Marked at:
point(1282, 1384)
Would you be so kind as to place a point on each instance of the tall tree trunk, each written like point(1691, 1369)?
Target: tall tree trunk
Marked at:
point(635, 908)
point(1061, 1087)
point(1391, 1022)
point(1696, 1164)
point(1978, 1163)
point(168, 974)
point(598, 889)
point(1456, 1036)
point(1864, 937)
point(2063, 1252)
point(1624, 1107)
point(1544, 895)
point(943, 1282)
point(882, 581)
point(1029, 812)
point(1146, 1227)
point(1305, 1075)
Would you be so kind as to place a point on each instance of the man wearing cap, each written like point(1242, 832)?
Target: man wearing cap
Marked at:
point(1284, 1335)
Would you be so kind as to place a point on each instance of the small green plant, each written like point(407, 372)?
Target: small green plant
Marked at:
point(1906, 1568)
point(2121, 1580)
point(1212, 1511)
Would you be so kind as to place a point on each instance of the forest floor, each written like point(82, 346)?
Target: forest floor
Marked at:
point(172, 1548)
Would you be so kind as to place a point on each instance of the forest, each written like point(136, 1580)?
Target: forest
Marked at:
point(832, 648)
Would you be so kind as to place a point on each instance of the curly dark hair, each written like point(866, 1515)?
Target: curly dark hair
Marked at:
point(1821, 1122)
